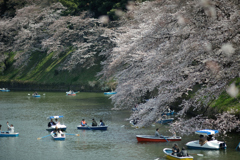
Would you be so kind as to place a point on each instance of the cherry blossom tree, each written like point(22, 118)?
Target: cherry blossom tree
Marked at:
point(167, 48)
point(43, 29)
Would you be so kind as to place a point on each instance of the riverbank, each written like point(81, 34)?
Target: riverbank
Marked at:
point(56, 87)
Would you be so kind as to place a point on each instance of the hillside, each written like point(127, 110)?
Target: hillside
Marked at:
point(41, 47)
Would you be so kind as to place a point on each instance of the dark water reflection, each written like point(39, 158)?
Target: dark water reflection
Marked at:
point(28, 114)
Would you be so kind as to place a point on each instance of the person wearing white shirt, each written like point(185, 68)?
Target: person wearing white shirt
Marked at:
point(10, 128)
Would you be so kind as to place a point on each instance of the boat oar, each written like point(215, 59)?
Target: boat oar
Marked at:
point(164, 138)
point(72, 134)
point(196, 154)
point(238, 146)
point(160, 158)
point(88, 127)
point(43, 137)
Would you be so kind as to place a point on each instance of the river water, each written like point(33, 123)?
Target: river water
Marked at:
point(29, 117)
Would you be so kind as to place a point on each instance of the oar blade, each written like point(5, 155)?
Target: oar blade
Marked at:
point(200, 155)
point(72, 134)
point(43, 137)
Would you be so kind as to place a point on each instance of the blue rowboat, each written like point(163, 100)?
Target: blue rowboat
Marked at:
point(7, 134)
point(58, 137)
point(92, 127)
point(5, 90)
point(164, 121)
point(109, 93)
point(36, 95)
point(71, 93)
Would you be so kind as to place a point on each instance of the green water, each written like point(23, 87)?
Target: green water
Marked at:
point(29, 117)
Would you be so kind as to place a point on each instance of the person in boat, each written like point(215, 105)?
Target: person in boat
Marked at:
point(51, 123)
point(210, 138)
point(57, 122)
point(101, 123)
point(157, 133)
point(35, 93)
point(134, 121)
point(175, 150)
point(0, 127)
point(174, 134)
point(10, 128)
point(83, 122)
point(168, 109)
point(59, 133)
point(55, 131)
point(183, 153)
point(94, 123)
point(202, 140)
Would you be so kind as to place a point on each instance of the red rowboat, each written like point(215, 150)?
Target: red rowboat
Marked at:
point(152, 138)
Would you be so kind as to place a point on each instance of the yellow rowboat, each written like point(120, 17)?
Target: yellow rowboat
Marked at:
point(168, 152)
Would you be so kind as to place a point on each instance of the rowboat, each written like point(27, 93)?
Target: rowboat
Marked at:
point(58, 136)
point(92, 127)
point(4, 90)
point(153, 138)
point(71, 93)
point(36, 95)
point(168, 152)
point(206, 141)
point(8, 134)
point(62, 127)
point(109, 93)
point(164, 121)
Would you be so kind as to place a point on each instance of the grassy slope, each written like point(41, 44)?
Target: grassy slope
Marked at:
point(41, 68)
point(226, 102)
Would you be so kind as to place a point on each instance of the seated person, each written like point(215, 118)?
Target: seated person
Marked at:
point(210, 138)
point(51, 123)
point(157, 133)
point(55, 131)
point(101, 123)
point(83, 122)
point(202, 140)
point(59, 133)
point(57, 122)
point(175, 150)
point(183, 153)
point(94, 123)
